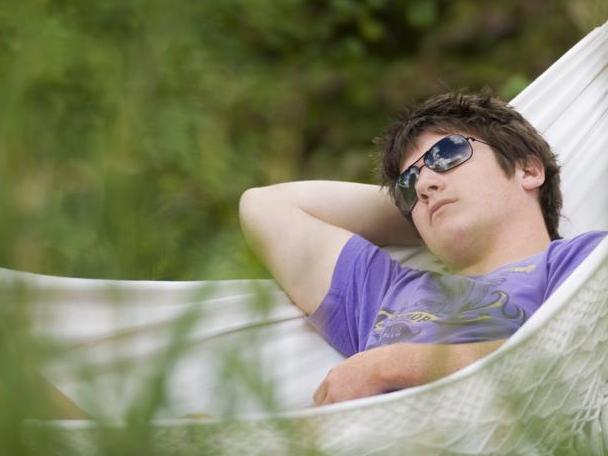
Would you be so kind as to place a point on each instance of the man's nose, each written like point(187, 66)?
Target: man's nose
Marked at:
point(429, 182)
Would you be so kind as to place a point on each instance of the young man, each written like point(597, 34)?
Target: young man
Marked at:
point(480, 187)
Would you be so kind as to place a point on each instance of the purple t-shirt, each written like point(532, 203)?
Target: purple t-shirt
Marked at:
point(374, 301)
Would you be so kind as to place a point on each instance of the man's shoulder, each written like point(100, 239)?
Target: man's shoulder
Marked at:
point(587, 240)
point(564, 255)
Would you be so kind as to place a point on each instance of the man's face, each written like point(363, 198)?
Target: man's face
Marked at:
point(454, 208)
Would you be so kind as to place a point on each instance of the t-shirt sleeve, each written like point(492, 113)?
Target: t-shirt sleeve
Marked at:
point(564, 258)
point(362, 276)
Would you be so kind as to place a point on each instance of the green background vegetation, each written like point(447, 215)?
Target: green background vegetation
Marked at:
point(129, 128)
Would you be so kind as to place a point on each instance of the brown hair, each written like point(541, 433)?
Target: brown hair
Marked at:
point(490, 119)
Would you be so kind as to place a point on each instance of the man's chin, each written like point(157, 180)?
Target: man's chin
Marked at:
point(450, 245)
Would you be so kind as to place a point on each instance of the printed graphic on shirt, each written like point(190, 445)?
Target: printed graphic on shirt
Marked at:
point(527, 268)
point(445, 304)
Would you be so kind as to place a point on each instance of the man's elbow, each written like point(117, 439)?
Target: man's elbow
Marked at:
point(248, 198)
point(250, 205)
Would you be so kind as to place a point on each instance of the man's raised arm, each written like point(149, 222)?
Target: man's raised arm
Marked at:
point(299, 228)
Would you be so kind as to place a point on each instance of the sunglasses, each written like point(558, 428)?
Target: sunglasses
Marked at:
point(444, 155)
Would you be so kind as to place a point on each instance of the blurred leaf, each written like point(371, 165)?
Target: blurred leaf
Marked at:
point(513, 86)
point(421, 13)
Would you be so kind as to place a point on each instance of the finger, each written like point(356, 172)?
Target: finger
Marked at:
point(320, 393)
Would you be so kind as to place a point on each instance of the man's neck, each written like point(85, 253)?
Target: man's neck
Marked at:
point(504, 250)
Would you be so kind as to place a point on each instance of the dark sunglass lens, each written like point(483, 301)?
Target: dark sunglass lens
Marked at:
point(451, 151)
point(406, 188)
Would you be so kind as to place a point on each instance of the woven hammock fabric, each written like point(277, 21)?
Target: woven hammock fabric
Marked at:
point(544, 392)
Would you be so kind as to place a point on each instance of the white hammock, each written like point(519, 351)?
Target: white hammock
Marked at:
point(544, 391)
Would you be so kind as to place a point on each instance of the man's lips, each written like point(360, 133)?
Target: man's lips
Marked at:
point(438, 205)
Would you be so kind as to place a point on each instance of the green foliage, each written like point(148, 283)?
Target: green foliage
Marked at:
point(129, 129)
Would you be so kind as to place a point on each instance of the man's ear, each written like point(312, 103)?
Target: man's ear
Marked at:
point(532, 173)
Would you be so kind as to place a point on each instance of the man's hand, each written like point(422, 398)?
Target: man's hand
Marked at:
point(360, 375)
point(397, 366)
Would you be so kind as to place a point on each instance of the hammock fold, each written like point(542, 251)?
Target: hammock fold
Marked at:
point(543, 391)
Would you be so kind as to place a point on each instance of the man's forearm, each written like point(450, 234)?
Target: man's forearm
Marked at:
point(406, 365)
point(360, 208)
point(397, 366)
